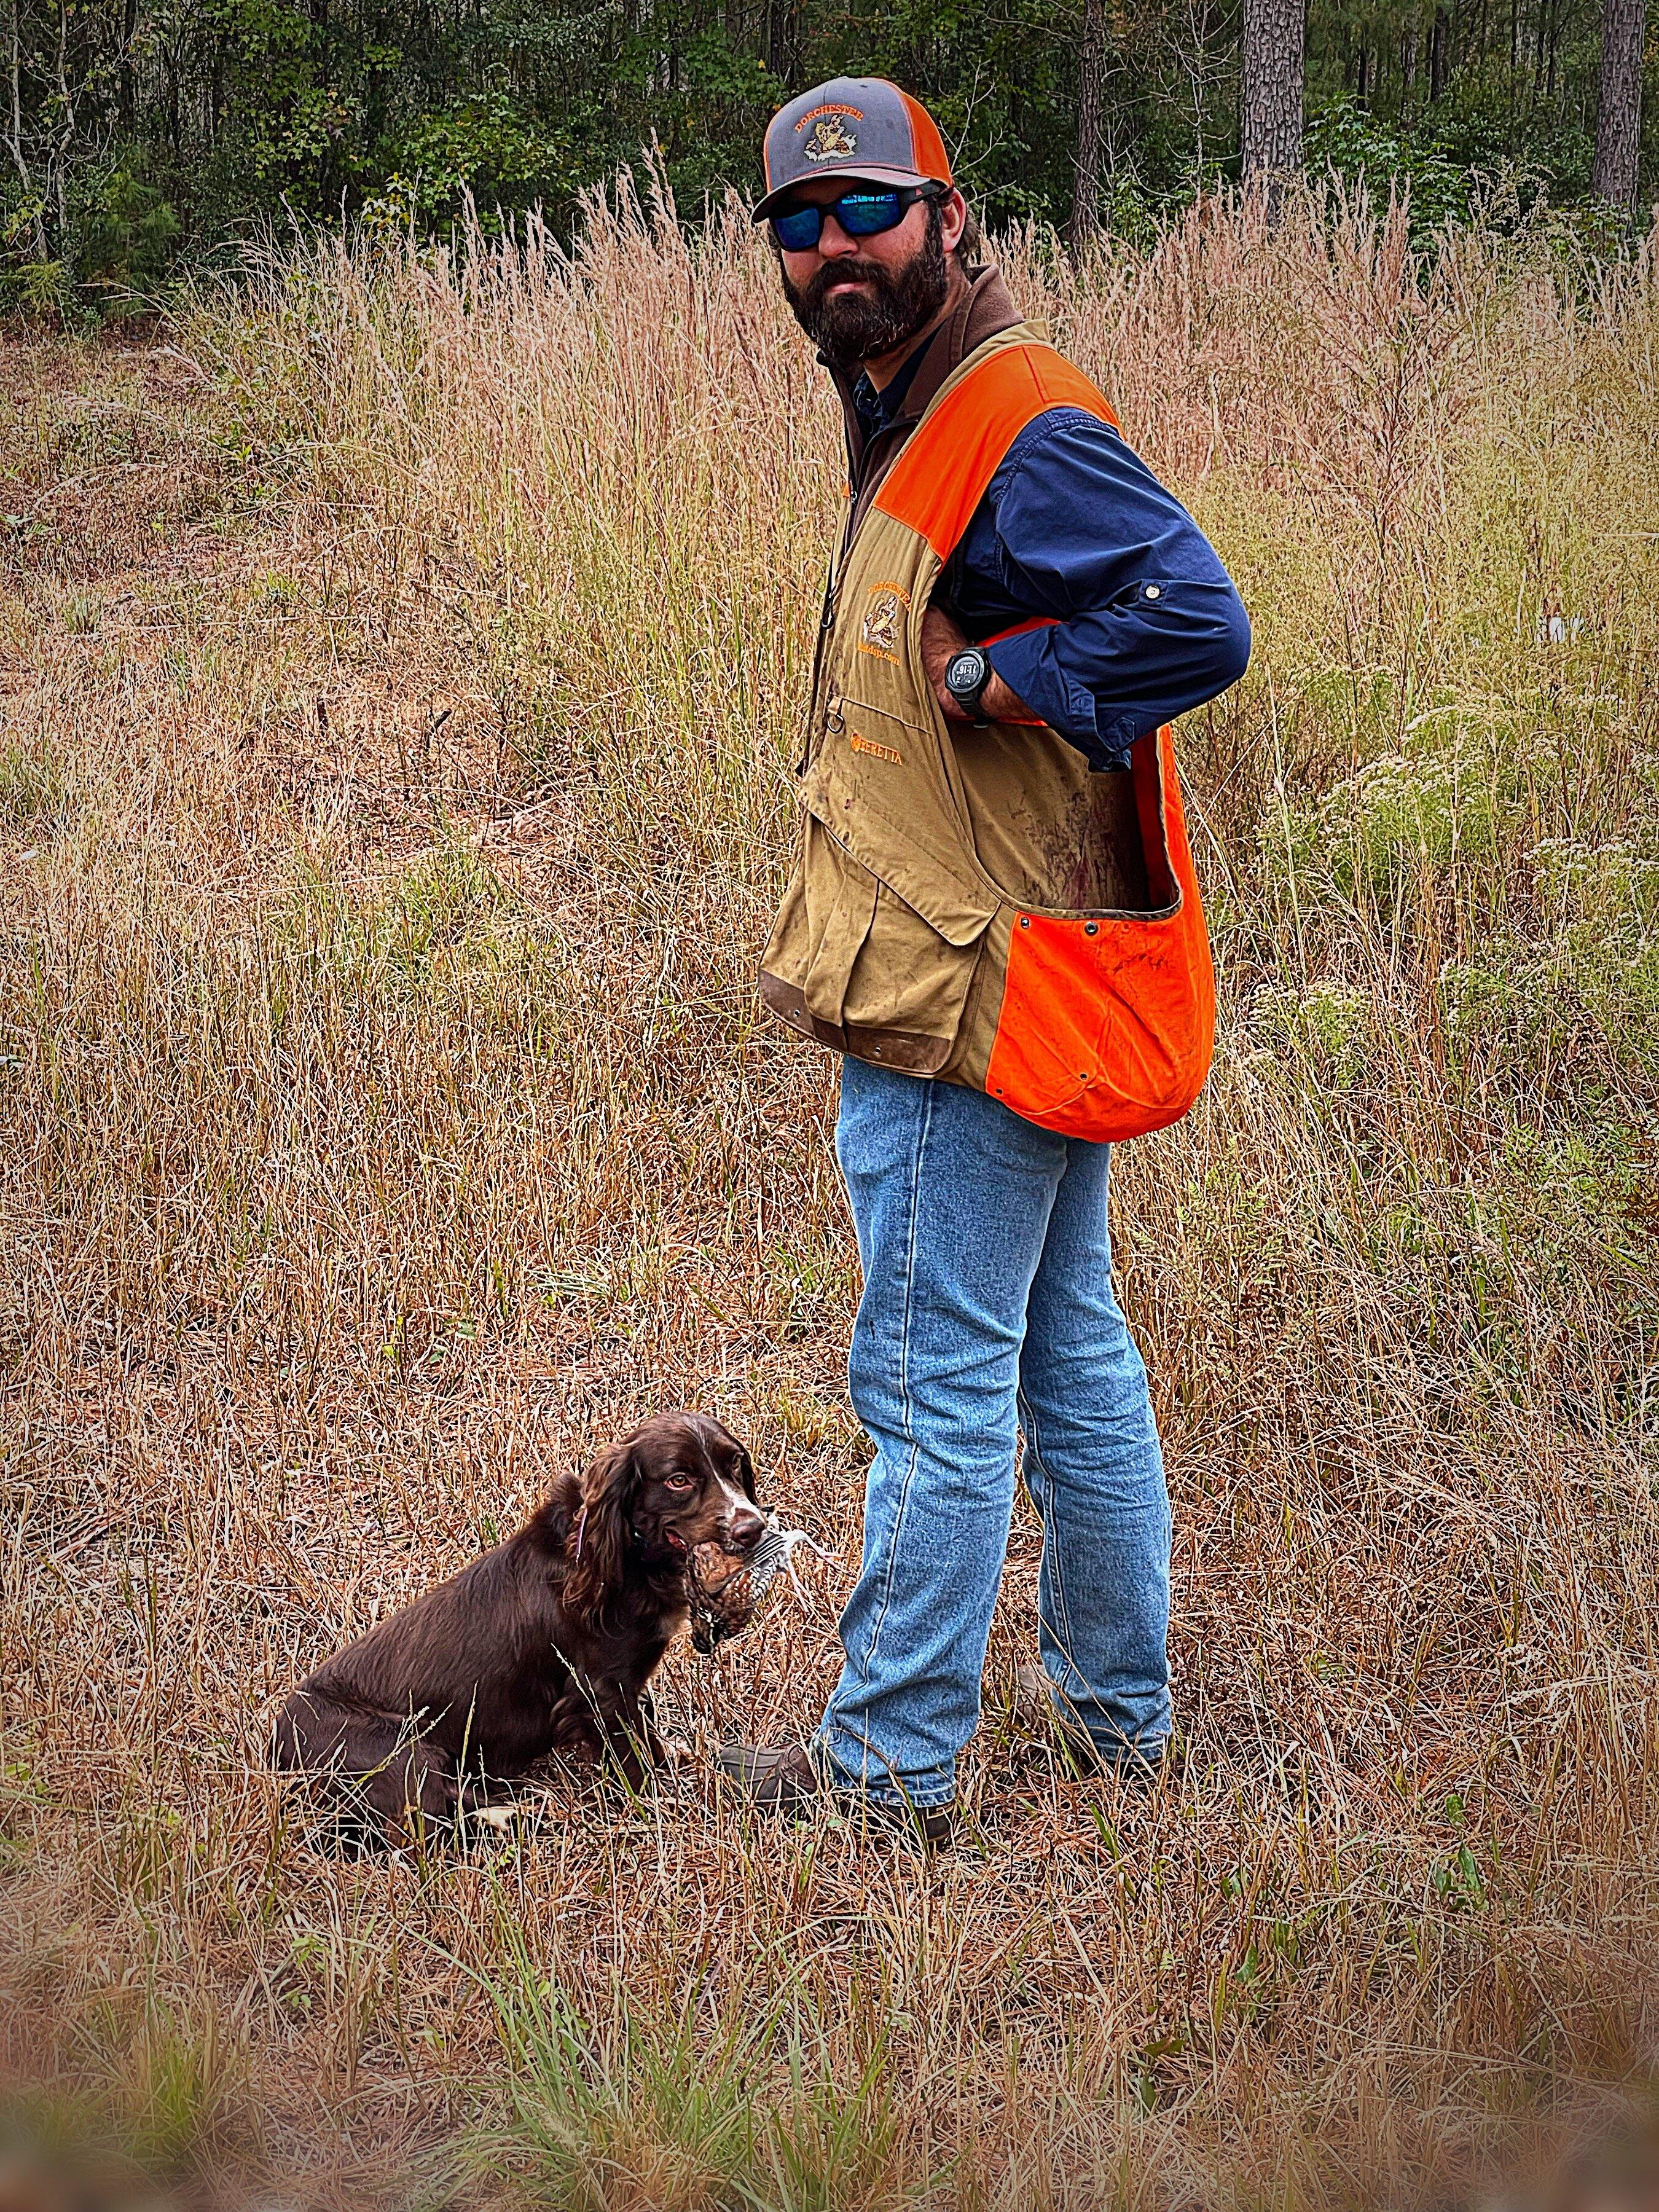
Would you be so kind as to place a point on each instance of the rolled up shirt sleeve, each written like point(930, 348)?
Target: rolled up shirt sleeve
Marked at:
point(1135, 620)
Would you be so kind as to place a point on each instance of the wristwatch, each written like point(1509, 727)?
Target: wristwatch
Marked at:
point(965, 679)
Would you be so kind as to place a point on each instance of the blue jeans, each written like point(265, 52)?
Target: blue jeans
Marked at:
point(987, 1306)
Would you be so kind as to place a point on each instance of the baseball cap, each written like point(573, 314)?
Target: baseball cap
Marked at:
point(853, 126)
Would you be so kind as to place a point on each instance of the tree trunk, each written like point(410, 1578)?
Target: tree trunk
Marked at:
point(1090, 126)
point(1270, 124)
point(14, 142)
point(782, 26)
point(1618, 103)
point(127, 78)
point(1439, 38)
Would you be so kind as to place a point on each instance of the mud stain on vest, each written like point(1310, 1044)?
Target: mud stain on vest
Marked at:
point(1107, 858)
point(1091, 856)
point(1072, 842)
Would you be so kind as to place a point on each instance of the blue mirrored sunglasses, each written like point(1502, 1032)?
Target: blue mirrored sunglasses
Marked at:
point(861, 214)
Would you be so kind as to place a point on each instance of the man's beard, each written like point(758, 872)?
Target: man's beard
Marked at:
point(860, 326)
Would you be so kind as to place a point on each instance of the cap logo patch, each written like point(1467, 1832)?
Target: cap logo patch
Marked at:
point(832, 137)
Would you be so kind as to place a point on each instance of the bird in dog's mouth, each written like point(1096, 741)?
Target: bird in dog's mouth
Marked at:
point(726, 1589)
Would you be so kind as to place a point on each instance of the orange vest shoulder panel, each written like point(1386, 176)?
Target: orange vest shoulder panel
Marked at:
point(941, 475)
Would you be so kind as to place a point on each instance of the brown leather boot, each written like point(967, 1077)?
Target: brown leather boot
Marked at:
point(1040, 1709)
point(785, 1780)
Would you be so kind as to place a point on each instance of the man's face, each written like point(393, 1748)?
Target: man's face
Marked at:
point(859, 299)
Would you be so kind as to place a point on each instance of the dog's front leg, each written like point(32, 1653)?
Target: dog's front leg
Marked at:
point(672, 1753)
point(597, 1725)
point(629, 1734)
point(630, 1743)
point(657, 1747)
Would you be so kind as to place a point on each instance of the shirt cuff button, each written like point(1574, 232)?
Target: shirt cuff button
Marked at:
point(1150, 591)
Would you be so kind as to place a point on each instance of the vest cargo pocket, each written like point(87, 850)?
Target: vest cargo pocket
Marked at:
point(904, 997)
point(841, 899)
point(855, 966)
point(879, 788)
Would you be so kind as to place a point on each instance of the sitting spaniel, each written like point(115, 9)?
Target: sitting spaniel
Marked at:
point(546, 1645)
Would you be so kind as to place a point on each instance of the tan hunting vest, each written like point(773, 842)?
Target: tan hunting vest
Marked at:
point(976, 904)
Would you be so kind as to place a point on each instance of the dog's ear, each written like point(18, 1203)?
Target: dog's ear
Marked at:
point(746, 1474)
point(600, 1533)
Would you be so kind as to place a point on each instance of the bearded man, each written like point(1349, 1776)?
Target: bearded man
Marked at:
point(993, 918)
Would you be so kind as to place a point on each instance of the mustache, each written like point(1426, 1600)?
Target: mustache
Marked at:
point(815, 291)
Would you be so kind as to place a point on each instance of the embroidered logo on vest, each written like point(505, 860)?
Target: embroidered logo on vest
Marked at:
point(883, 621)
point(863, 744)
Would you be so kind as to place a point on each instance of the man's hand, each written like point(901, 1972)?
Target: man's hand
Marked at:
point(941, 641)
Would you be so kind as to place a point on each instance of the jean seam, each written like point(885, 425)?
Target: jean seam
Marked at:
point(920, 1799)
point(1051, 1536)
point(909, 1801)
point(909, 1429)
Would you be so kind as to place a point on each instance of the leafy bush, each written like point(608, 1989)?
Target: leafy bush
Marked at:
point(107, 258)
point(1345, 137)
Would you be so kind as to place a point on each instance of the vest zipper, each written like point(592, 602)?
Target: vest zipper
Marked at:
point(815, 729)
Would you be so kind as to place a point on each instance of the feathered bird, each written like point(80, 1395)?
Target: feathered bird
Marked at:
point(726, 1590)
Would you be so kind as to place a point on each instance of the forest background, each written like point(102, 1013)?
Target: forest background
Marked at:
point(138, 131)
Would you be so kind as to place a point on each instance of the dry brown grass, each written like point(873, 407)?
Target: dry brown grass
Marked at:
point(400, 675)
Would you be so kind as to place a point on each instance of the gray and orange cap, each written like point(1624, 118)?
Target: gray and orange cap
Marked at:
point(855, 126)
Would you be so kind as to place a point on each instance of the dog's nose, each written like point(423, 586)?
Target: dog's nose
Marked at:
point(747, 1528)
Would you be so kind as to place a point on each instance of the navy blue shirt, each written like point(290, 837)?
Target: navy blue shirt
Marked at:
point(1075, 528)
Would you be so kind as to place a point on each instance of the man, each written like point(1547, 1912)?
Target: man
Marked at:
point(994, 887)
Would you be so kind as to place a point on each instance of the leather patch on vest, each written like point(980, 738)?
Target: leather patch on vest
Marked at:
point(882, 631)
point(911, 1055)
point(862, 744)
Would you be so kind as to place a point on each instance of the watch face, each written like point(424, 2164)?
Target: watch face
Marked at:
point(966, 671)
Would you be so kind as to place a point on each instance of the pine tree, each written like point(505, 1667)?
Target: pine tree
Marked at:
point(1618, 103)
point(1270, 129)
point(1090, 125)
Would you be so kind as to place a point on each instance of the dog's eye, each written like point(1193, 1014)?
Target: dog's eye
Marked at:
point(678, 1481)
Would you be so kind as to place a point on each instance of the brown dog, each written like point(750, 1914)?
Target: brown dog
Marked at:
point(544, 1645)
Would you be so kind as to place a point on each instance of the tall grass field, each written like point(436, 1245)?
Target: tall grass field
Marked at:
point(403, 654)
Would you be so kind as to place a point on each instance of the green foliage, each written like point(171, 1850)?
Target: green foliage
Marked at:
point(127, 235)
point(32, 784)
point(480, 149)
point(725, 2104)
point(439, 916)
point(114, 237)
point(217, 113)
point(1453, 813)
point(589, 2095)
point(1406, 812)
point(1349, 139)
